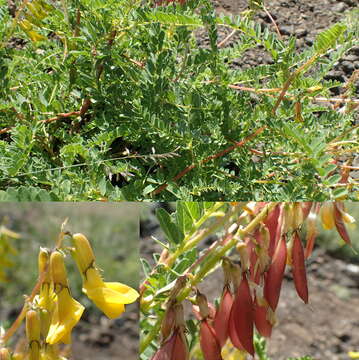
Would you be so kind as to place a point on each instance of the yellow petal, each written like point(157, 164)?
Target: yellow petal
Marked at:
point(93, 279)
point(67, 314)
point(111, 297)
point(327, 215)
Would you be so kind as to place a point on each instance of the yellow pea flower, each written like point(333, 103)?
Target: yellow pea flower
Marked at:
point(109, 297)
point(67, 310)
point(353, 354)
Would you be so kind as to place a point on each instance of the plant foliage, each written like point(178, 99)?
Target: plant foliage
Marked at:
point(114, 99)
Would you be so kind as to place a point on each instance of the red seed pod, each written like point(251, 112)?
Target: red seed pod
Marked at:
point(243, 316)
point(299, 273)
point(339, 223)
point(274, 276)
point(261, 321)
point(210, 346)
point(221, 320)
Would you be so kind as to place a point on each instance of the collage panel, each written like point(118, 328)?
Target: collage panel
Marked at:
point(69, 275)
point(238, 281)
point(166, 100)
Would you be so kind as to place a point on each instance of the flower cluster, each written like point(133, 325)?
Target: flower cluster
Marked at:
point(53, 313)
point(253, 280)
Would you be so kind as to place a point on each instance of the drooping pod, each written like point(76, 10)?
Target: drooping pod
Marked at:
point(275, 274)
point(175, 347)
point(209, 342)
point(298, 268)
point(221, 320)
point(242, 317)
point(261, 316)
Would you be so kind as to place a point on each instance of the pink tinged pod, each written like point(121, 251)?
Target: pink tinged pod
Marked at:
point(174, 348)
point(298, 269)
point(274, 277)
point(339, 223)
point(243, 316)
point(232, 332)
point(221, 320)
point(210, 346)
point(263, 326)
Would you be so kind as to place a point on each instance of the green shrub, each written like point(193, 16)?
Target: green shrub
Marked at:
point(112, 99)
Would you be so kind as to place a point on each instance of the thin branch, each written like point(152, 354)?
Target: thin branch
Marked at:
point(227, 38)
point(209, 158)
point(273, 22)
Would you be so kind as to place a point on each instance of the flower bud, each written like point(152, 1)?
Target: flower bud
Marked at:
point(84, 253)
point(327, 215)
point(58, 270)
point(4, 354)
point(33, 334)
point(202, 305)
point(244, 255)
point(43, 261)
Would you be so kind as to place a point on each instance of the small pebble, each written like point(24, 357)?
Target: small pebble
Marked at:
point(351, 2)
point(301, 32)
point(286, 30)
point(334, 75)
point(351, 57)
point(340, 7)
point(348, 67)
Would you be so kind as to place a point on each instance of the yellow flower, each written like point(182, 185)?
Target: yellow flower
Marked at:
point(110, 297)
point(67, 310)
point(353, 354)
point(327, 215)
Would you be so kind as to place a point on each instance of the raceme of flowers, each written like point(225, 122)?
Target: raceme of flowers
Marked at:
point(252, 287)
point(53, 313)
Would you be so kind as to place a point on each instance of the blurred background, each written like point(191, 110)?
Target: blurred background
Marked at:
point(326, 328)
point(112, 229)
